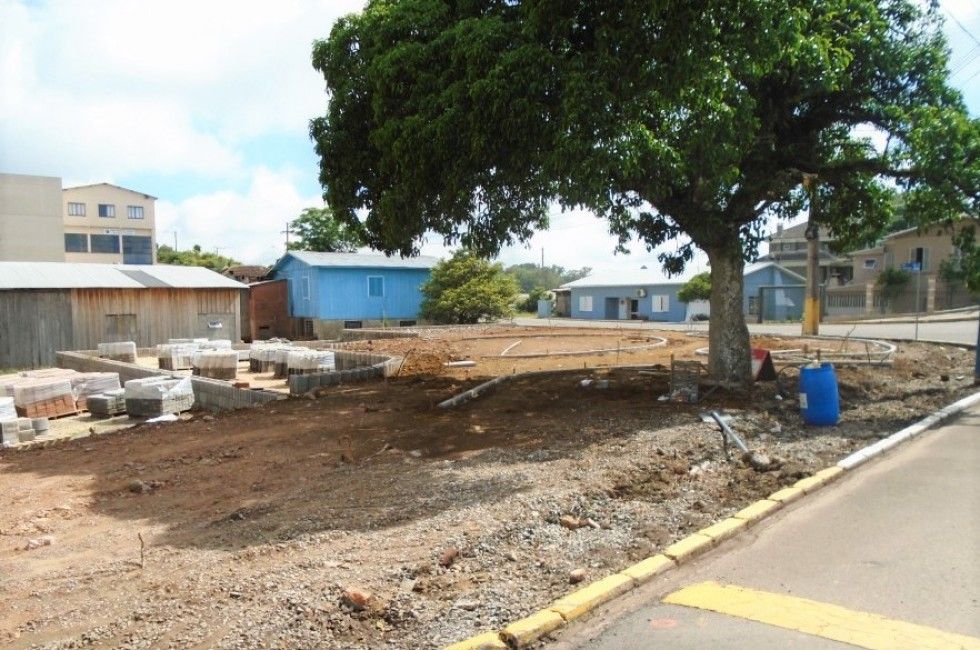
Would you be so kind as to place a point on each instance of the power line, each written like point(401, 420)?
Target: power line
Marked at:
point(960, 25)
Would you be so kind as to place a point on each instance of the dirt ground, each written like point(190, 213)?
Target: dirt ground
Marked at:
point(256, 525)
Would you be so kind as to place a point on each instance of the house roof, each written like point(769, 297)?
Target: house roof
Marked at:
point(622, 278)
point(359, 260)
point(67, 275)
point(246, 269)
point(758, 266)
point(798, 232)
point(118, 187)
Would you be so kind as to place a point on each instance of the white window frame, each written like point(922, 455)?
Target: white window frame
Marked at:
point(76, 209)
point(870, 264)
point(659, 304)
point(110, 210)
point(305, 287)
point(376, 277)
point(585, 303)
point(133, 210)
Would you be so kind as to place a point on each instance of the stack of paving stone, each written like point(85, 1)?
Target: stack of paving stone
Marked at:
point(122, 351)
point(310, 362)
point(36, 398)
point(108, 404)
point(87, 384)
point(7, 410)
point(155, 396)
point(176, 356)
point(16, 431)
point(216, 364)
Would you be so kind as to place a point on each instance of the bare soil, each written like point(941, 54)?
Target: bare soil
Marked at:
point(255, 523)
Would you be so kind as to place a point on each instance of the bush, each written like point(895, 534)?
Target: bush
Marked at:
point(468, 289)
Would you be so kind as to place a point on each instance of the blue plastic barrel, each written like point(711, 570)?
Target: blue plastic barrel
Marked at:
point(819, 401)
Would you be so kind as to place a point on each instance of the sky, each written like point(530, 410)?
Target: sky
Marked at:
point(206, 105)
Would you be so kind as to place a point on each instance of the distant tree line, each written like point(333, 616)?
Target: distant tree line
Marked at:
point(194, 257)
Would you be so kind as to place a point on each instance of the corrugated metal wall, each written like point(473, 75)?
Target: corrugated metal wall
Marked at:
point(102, 315)
point(33, 325)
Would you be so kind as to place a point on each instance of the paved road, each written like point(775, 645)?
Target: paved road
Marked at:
point(964, 332)
point(899, 538)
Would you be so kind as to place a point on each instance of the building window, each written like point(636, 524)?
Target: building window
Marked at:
point(134, 211)
point(305, 286)
point(76, 209)
point(107, 210)
point(105, 244)
point(76, 243)
point(353, 324)
point(660, 304)
point(407, 323)
point(585, 303)
point(137, 250)
point(920, 255)
point(870, 264)
point(376, 286)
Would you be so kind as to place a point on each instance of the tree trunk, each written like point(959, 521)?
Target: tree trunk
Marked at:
point(729, 353)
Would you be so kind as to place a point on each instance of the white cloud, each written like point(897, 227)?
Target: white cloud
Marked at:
point(245, 226)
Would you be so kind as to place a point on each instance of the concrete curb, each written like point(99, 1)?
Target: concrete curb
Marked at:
point(526, 631)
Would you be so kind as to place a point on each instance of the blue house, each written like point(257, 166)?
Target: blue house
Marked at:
point(625, 295)
point(771, 292)
point(335, 290)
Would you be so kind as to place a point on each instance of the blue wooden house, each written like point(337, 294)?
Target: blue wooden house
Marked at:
point(626, 295)
point(771, 292)
point(336, 290)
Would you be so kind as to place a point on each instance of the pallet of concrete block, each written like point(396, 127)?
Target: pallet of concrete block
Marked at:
point(107, 404)
point(86, 384)
point(176, 356)
point(260, 356)
point(121, 351)
point(7, 410)
point(16, 431)
point(310, 362)
point(280, 360)
point(155, 396)
point(216, 344)
point(50, 398)
point(216, 364)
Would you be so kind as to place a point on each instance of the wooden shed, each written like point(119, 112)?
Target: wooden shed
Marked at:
point(51, 306)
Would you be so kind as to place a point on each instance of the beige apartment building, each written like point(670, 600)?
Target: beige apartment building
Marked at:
point(31, 223)
point(108, 224)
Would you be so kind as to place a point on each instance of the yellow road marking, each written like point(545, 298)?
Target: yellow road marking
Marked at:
point(819, 619)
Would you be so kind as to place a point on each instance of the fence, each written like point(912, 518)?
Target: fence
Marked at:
point(923, 293)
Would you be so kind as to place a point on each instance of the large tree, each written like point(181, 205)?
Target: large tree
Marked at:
point(319, 231)
point(690, 121)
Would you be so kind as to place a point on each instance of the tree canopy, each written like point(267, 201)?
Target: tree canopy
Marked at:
point(467, 289)
point(194, 257)
point(690, 121)
point(697, 288)
point(319, 231)
point(530, 275)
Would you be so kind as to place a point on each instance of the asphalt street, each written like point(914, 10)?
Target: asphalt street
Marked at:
point(959, 332)
point(888, 556)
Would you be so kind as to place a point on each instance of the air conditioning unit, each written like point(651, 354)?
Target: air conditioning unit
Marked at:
point(641, 293)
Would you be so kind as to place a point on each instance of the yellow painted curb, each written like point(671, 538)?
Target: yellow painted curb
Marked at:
point(818, 480)
point(830, 473)
point(723, 529)
point(527, 630)
point(488, 641)
point(758, 510)
point(588, 598)
point(786, 495)
point(688, 547)
point(648, 568)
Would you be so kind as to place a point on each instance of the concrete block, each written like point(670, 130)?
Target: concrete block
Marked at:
point(688, 547)
point(646, 569)
point(526, 631)
point(723, 529)
point(588, 598)
point(758, 510)
point(786, 495)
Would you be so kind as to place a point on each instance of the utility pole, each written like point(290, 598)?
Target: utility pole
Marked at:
point(811, 304)
point(286, 232)
point(542, 257)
